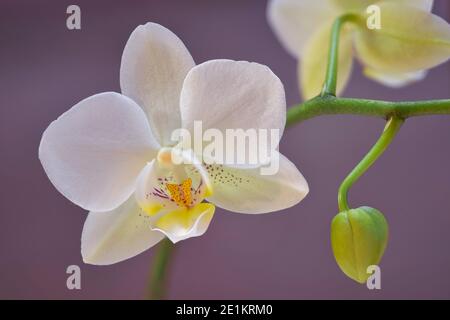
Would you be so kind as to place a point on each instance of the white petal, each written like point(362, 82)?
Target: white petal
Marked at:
point(110, 237)
point(182, 224)
point(395, 80)
point(353, 5)
point(226, 94)
point(410, 39)
point(94, 152)
point(247, 191)
point(313, 66)
point(294, 21)
point(154, 64)
point(426, 5)
point(361, 5)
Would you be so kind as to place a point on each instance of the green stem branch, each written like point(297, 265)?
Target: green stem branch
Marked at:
point(159, 270)
point(330, 105)
point(391, 129)
point(329, 87)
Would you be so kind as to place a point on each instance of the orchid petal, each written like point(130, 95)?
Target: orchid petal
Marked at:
point(312, 68)
point(295, 22)
point(154, 64)
point(410, 39)
point(248, 191)
point(395, 80)
point(185, 223)
point(234, 95)
point(94, 152)
point(110, 237)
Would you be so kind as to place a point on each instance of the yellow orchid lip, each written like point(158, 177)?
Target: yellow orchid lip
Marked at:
point(185, 222)
point(177, 209)
point(151, 209)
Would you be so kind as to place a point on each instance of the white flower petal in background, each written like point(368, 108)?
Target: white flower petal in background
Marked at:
point(353, 5)
point(426, 5)
point(110, 237)
point(313, 66)
point(410, 39)
point(94, 152)
point(247, 191)
point(359, 6)
point(395, 80)
point(295, 21)
point(154, 64)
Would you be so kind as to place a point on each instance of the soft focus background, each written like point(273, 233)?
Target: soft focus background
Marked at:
point(45, 69)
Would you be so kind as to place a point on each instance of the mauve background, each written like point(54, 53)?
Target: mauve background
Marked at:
point(45, 69)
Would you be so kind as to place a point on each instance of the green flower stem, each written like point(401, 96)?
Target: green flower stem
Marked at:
point(329, 87)
point(159, 270)
point(391, 129)
point(330, 105)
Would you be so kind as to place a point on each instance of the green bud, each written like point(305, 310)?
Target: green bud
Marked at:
point(358, 238)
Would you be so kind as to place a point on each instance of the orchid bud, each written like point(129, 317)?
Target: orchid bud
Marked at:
point(358, 238)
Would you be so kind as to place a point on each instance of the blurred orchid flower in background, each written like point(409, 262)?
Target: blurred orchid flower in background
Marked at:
point(410, 41)
point(111, 153)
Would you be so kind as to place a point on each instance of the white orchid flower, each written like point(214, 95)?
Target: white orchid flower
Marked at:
point(410, 40)
point(111, 153)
